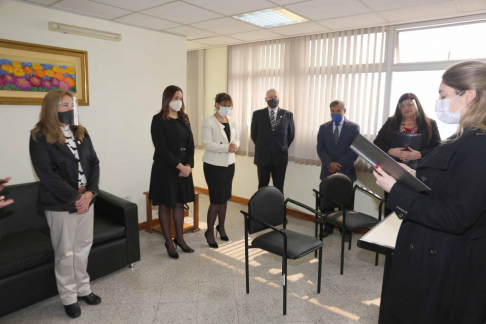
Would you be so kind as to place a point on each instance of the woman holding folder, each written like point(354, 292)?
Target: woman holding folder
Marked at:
point(439, 263)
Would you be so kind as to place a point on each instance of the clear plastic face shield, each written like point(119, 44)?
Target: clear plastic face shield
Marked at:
point(69, 112)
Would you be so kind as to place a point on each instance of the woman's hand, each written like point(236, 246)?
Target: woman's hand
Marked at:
point(383, 180)
point(82, 204)
point(185, 170)
point(410, 155)
point(233, 148)
point(396, 151)
point(409, 169)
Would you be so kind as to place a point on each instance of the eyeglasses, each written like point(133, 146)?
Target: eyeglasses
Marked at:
point(409, 105)
point(66, 104)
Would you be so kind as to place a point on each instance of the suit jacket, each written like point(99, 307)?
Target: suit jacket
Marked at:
point(328, 152)
point(216, 142)
point(272, 147)
point(58, 172)
point(437, 275)
point(426, 146)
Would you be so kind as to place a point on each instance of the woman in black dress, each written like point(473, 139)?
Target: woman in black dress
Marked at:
point(171, 184)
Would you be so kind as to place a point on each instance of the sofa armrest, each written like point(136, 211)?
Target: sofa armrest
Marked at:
point(124, 213)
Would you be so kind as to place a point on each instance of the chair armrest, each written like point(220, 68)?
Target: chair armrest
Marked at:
point(124, 213)
point(368, 191)
point(246, 214)
point(317, 214)
point(316, 192)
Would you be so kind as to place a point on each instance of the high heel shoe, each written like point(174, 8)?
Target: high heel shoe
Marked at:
point(213, 245)
point(188, 250)
point(172, 255)
point(223, 238)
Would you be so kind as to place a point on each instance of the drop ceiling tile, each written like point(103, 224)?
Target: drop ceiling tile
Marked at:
point(256, 35)
point(145, 21)
point(134, 5)
point(181, 12)
point(190, 32)
point(191, 46)
point(91, 8)
point(231, 8)
point(379, 5)
point(225, 26)
point(323, 9)
point(472, 5)
point(287, 2)
point(43, 2)
point(421, 13)
point(299, 29)
point(219, 40)
point(353, 22)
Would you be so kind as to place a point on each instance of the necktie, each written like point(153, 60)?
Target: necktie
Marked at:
point(336, 134)
point(272, 120)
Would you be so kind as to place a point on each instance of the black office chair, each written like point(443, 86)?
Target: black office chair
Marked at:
point(337, 191)
point(267, 209)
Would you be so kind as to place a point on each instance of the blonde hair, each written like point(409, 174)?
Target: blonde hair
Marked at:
point(470, 75)
point(49, 125)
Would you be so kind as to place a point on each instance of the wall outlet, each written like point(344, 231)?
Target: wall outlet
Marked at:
point(127, 197)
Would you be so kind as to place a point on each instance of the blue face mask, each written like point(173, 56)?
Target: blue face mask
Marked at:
point(337, 118)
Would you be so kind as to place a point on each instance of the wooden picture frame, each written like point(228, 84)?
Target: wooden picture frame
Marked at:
point(29, 71)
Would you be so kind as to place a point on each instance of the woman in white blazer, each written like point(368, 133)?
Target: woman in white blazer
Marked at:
point(221, 141)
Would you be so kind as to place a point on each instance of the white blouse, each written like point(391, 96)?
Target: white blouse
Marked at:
point(71, 143)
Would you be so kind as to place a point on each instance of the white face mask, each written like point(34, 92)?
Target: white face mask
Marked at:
point(442, 107)
point(175, 105)
point(224, 111)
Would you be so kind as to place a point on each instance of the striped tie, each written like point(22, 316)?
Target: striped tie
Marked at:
point(272, 120)
point(336, 134)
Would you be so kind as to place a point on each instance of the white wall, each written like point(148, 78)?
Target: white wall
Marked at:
point(126, 81)
point(300, 179)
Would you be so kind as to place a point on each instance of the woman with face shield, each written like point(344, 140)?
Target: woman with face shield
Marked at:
point(221, 141)
point(439, 263)
point(65, 161)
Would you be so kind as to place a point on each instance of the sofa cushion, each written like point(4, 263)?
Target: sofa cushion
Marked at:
point(24, 250)
point(106, 230)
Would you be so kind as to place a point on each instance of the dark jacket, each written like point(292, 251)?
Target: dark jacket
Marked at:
point(272, 147)
point(57, 169)
point(426, 146)
point(164, 179)
point(328, 152)
point(438, 273)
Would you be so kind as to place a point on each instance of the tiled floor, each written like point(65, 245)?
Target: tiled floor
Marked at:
point(208, 286)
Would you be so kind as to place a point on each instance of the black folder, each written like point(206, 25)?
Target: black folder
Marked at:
point(407, 140)
point(375, 156)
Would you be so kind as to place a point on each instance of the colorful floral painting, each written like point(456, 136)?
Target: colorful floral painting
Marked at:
point(36, 77)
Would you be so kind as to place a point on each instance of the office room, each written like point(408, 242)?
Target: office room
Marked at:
point(242, 161)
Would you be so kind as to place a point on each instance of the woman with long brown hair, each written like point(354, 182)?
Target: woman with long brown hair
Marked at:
point(66, 163)
point(409, 117)
point(437, 275)
point(171, 184)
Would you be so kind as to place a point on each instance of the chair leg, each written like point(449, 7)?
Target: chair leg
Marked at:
point(247, 274)
point(319, 271)
point(376, 259)
point(350, 239)
point(342, 252)
point(284, 274)
point(315, 252)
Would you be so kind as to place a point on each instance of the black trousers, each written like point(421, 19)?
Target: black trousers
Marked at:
point(277, 173)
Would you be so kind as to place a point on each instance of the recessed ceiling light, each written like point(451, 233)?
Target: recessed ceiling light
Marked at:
point(271, 17)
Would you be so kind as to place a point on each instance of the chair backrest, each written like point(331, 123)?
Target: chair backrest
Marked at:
point(23, 214)
point(339, 188)
point(267, 205)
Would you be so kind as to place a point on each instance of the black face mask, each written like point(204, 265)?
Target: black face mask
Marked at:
point(66, 117)
point(272, 103)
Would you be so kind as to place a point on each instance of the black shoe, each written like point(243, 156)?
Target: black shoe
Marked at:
point(213, 245)
point(223, 238)
point(172, 255)
point(73, 310)
point(90, 299)
point(188, 250)
point(325, 234)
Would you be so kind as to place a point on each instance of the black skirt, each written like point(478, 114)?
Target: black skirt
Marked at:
point(219, 180)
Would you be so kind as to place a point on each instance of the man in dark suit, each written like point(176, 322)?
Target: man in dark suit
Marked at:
point(333, 147)
point(272, 131)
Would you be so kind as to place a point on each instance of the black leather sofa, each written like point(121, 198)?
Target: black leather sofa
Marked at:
point(26, 254)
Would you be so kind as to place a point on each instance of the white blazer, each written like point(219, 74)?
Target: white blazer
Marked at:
point(216, 142)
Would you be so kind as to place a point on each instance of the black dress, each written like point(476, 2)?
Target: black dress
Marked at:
point(174, 144)
point(219, 178)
